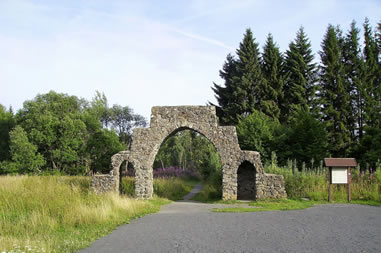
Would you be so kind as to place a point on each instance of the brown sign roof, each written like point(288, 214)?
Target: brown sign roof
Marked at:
point(340, 162)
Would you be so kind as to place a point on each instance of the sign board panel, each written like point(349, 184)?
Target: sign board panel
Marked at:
point(339, 175)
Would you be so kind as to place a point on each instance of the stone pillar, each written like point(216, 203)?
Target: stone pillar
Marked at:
point(143, 182)
point(229, 183)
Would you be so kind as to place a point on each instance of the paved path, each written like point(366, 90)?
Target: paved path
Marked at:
point(190, 227)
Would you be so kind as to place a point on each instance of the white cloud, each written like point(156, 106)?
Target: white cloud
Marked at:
point(204, 39)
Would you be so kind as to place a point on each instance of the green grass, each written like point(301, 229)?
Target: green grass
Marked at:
point(270, 205)
point(210, 193)
point(169, 188)
point(60, 214)
point(367, 202)
point(287, 205)
point(173, 188)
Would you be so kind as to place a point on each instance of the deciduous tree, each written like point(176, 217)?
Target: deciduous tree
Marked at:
point(25, 157)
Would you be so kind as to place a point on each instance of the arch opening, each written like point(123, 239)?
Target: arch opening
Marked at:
point(246, 181)
point(187, 154)
point(127, 179)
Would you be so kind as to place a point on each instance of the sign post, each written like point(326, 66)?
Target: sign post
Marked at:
point(339, 173)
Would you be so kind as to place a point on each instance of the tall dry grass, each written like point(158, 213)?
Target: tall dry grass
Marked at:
point(59, 214)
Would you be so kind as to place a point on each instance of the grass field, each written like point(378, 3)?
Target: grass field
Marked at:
point(60, 214)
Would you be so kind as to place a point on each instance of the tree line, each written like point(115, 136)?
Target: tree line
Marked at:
point(58, 132)
point(301, 109)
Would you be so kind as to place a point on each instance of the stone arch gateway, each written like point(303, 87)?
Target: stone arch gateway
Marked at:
point(167, 120)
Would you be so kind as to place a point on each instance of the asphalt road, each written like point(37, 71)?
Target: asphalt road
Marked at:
point(191, 227)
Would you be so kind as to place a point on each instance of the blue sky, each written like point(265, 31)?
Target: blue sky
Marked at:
point(147, 53)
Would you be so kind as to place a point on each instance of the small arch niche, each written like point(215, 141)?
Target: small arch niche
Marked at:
point(246, 181)
point(127, 179)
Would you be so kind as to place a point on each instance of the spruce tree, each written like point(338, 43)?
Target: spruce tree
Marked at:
point(242, 93)
point(379, 41)
point(223, 92)
point(372, 78)
point(273, 73)
point(354, 72)
point(333, 95)
point(300, 87)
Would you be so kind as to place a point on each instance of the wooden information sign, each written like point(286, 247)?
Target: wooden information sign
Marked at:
point(340, 173)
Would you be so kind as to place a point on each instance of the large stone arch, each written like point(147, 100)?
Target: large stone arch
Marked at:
point(165, 121)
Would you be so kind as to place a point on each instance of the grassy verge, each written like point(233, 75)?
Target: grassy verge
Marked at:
point(60, 214)
point(173, 188)
point(270, 205)
point(286, 205)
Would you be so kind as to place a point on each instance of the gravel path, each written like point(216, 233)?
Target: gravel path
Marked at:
point(187, 226)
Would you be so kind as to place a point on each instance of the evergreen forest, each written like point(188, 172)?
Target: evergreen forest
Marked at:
point(303, 107)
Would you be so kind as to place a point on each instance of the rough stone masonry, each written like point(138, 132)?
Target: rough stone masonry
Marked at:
point(168, 120)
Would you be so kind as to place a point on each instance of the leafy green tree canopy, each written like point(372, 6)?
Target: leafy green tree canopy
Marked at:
point(6, 124)
point(25, 157)
point(255, 132)
point(54, 123)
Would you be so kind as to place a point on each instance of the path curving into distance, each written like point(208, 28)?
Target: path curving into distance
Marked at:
point(187, 226)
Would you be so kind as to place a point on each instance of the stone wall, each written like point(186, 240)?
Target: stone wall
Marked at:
point(104, 183)
point(168, 120)
point(271, 187)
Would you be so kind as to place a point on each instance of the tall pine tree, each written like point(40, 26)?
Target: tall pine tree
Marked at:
point(274, 75)
point(241, 94)
point(223, 92)
point(300, 87)
point(354, 72)
point(333, 94)
point(369, 151)
point(372, 78)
